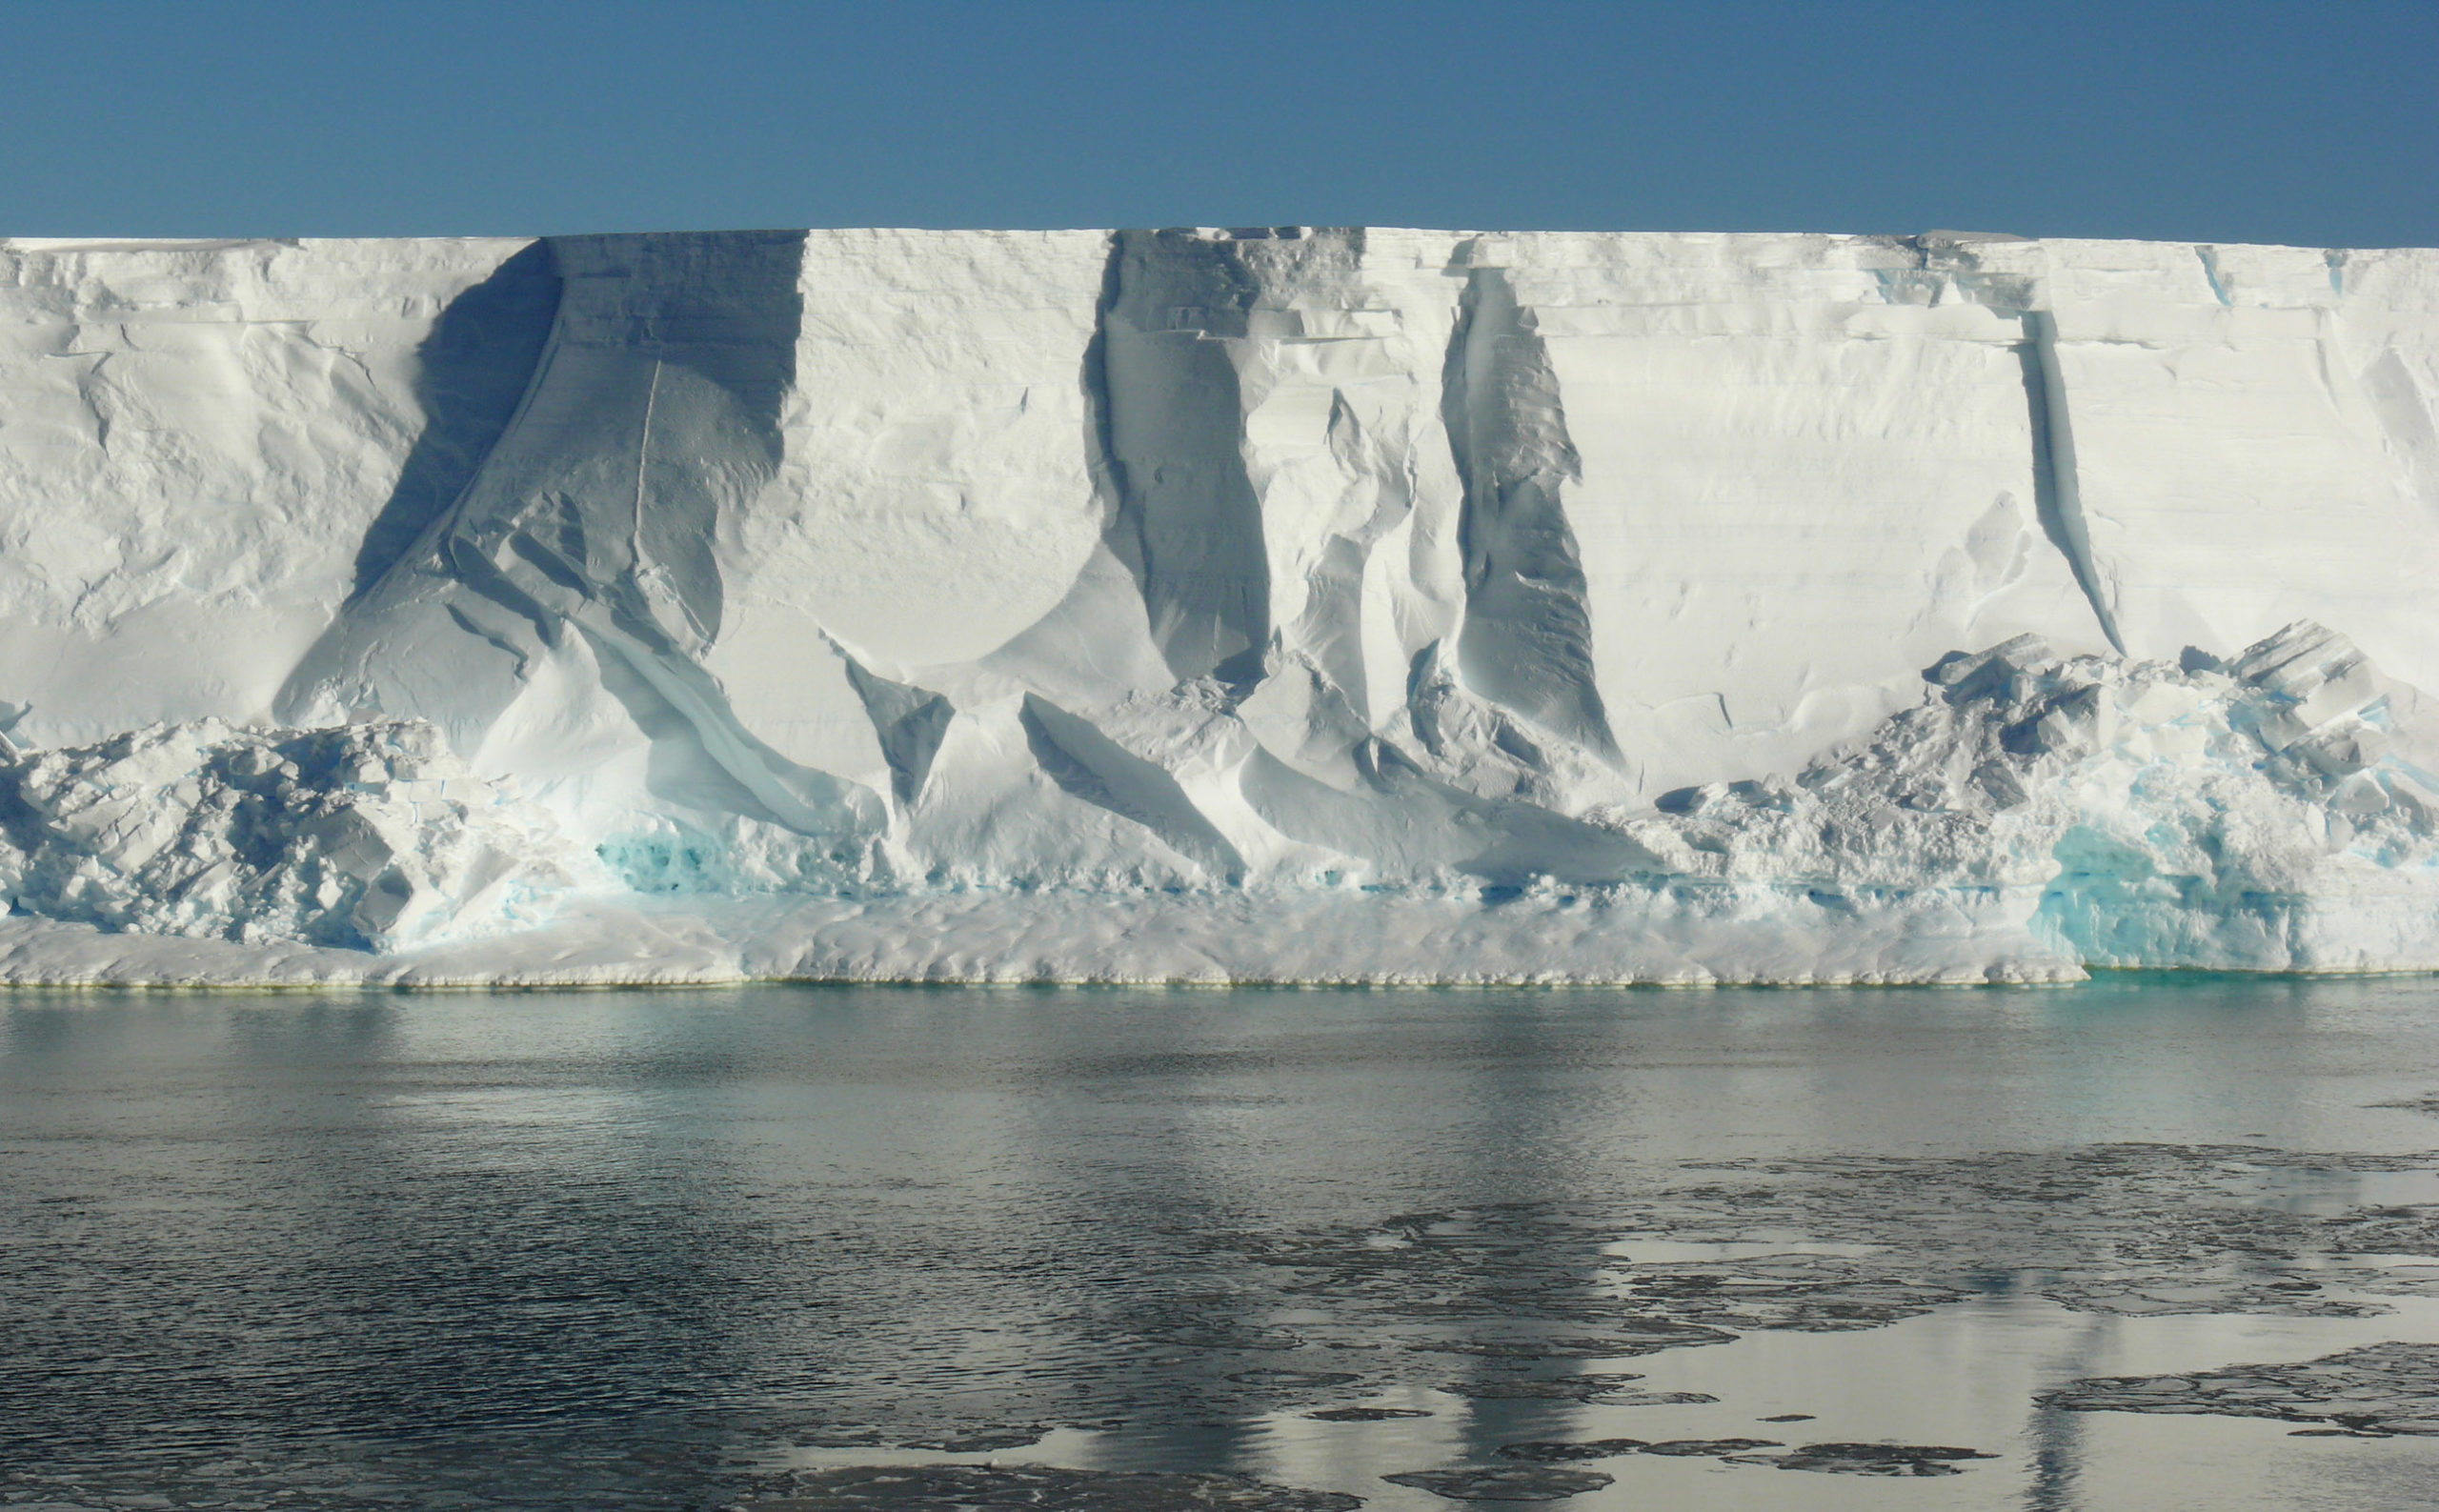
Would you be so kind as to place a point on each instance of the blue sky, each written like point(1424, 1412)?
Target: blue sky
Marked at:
point(2314, 123)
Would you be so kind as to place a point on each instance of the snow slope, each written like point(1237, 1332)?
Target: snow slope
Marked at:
point(1310, 604)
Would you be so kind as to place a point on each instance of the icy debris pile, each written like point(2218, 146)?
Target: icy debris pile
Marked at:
point(2279, 811)
point(368, 836)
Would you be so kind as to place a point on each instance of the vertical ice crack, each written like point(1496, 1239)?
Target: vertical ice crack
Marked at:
point(1943, 260)
point(1526, 642)
point(1101, 460)
point(1189, 523)
point(643, 459)
point(2209, 256)
point(2056, 491)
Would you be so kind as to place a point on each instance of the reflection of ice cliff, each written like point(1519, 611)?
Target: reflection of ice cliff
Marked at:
point(1071, 605)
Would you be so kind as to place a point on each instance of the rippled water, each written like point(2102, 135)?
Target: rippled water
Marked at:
point(833, 1248)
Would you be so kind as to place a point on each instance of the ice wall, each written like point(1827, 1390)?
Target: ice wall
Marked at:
point(866, 564)
point(200, 440)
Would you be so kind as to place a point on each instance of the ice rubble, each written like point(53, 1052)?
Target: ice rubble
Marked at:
point(2277, 811)
point(1333, 605)
point(367, 835)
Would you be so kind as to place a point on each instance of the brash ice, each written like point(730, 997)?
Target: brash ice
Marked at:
point(1284, 604)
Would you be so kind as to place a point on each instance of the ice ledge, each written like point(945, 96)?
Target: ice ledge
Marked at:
point(1705, 938)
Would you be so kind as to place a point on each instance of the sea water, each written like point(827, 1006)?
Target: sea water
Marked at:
point(934, 1247)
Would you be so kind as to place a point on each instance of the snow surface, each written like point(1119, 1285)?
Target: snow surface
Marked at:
point(1314, 605)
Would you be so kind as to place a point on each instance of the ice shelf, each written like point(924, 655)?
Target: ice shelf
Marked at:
point(1291, 603)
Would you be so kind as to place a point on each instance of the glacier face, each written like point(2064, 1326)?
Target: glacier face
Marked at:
point(1310, 603)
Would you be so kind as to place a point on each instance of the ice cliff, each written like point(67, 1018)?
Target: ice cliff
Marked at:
point(1295, 603)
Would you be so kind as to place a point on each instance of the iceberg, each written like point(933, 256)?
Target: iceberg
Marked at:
point(1279, 603)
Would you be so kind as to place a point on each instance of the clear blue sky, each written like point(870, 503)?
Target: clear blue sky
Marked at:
point(2314, 123)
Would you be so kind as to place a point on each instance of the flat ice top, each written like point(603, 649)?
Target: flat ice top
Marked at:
point(807, 575)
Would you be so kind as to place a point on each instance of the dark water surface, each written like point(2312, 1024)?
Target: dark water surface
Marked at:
point(2151, 1242)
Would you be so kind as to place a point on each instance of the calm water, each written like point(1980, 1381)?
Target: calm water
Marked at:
point(1103, 1249)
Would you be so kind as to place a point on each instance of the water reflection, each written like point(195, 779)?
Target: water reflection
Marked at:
point(696, 1248)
